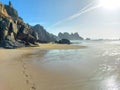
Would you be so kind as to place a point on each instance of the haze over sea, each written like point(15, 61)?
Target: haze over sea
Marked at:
point(96, 67)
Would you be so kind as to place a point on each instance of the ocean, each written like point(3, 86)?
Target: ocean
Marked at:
point(96, 67)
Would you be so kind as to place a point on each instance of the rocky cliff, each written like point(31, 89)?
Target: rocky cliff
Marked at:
point(72, 36)
point(43, 35)
point(15, 33)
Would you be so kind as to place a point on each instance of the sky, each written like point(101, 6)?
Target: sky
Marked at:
point(83, 16)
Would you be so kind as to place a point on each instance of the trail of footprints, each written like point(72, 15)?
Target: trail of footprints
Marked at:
point(28, 77)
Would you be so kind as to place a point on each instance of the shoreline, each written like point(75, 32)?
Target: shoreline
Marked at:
point(51, 46)
point(59, 46)
point(18, 74)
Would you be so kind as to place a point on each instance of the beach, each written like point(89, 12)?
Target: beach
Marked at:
point(60, 45)
point(16, 73)
point(95, 65)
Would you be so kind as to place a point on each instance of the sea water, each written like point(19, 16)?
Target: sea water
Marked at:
point(96, 67)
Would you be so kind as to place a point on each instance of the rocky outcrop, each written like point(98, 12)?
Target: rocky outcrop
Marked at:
point(3, 11)
point(43, 35)
point(11, 11)
point(63, 41)
point(13, 31)
point(88, 39)
point(72, 36)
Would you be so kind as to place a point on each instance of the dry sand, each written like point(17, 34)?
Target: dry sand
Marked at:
point(17, 74)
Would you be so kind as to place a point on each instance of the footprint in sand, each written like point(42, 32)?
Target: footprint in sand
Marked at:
point(24, 67)
point(33, 88)
point(27, 81)
point(27, 76)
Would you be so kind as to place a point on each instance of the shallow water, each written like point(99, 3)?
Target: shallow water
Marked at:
point(96, 67)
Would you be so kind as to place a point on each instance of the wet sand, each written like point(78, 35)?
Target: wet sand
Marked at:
point(59, 46)
point(96, 67)
point(16, 73)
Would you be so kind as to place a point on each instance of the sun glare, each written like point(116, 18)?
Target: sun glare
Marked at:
point(110, 4)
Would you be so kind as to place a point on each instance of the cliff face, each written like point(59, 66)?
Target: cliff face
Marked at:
point(15, 33)
point(72, 36)
point(3, 10)
point(43, 35)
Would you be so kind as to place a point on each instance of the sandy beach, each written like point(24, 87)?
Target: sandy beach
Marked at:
point(53, 67)
point(60, 45)
point(17, 74)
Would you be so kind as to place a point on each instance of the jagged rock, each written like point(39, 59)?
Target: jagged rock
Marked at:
point(13, 28)
point(27, 34)
point(43, 35)
point(15, 33)
point(10, 4)
point(11, 11)
point(35, 34)
point(4, 23)
point(8, 29)
point(72, 36)
point(11, 45)
point(3, 11)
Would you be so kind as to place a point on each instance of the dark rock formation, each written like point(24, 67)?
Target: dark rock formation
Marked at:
point(13, 29)
point(88, 39)
point(72, 36)
point(10, 4)
point(15, 33)
point(11, 11)
point(63, 41)
point(43, 35)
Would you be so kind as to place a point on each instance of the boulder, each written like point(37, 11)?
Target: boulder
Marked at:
point(11, 45)
point(63, 41)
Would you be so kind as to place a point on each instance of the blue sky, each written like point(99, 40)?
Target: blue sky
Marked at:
point(60, 15)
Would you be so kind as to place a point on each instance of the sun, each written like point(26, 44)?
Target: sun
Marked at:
point(110, 4)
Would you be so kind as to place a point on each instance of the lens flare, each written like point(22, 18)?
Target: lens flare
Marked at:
point(110, 4)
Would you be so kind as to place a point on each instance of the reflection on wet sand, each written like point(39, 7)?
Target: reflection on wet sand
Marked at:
point(93, 68)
